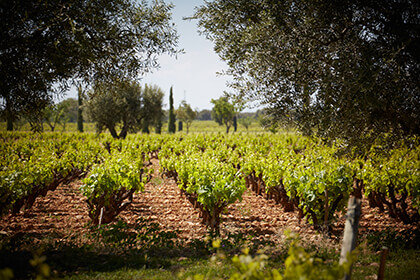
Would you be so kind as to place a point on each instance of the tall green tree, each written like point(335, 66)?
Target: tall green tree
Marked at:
point(172, 120)
point(48, 43)
point(342, 69)
point(223, 112)
point(186, 114)
point(80, 109)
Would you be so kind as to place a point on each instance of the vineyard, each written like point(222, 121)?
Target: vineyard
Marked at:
point(229, 184)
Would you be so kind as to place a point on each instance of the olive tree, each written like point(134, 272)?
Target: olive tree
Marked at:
point(125, 106)
point(112, 106)
point(49, 43)
point(152, 107)
point(185, 114)
point(341, 69)
point(246, 122)
point(223, 112)
point(57, 114)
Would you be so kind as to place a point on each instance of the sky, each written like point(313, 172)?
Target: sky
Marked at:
point(193, 75)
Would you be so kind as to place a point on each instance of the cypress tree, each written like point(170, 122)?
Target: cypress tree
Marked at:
point(171, 121)
point(79, 110)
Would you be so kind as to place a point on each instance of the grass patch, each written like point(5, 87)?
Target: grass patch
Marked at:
point(143, 251)
point(181, 260)
point(401, 264)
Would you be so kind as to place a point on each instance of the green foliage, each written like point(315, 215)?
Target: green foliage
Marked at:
point(152, 107)
point(127, 105)
point(110, 105)
point(172, 119)
point(110, 185)
point(43, 270)
point(213, 170)
point(204, 176)
point(6, 274)
point(298, 265)
point(32, 165)
point(56, 114)
point(246, 122)
point(48, 43)
point(223, 112)
point(185, 114)
point(389, 173)
point(346, 70)
point(322, 189)
point(71, 108)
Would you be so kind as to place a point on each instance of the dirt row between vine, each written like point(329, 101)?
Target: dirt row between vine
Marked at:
point(63, 214)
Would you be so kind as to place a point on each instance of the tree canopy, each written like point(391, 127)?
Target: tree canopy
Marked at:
point(115, 105)
point(70, 105)
point(49, 43)
point(125, 106)
point(185, 114)
point(223, 112)
point(152, 107)
point(347, 69)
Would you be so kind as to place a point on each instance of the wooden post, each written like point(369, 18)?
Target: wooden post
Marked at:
point(100, 217)
point(384, 255)
point(350, 230)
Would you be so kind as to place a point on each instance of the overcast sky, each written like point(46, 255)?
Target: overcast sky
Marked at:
point(193, 74)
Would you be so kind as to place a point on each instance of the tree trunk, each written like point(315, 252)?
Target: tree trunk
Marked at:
point(145, 128)
point(113, 132)
point(158, 129)
point(9, 115)
point(9, 121)
point(123, 133)
point(350, 230)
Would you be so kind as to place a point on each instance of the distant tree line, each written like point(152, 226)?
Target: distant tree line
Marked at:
point(106, 105)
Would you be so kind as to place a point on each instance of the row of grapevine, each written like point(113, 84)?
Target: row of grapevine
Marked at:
point(302, 174)
point(33, 164)
point(204, 176)
point(110, 185)
point(212, 170)
point(392, 181)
